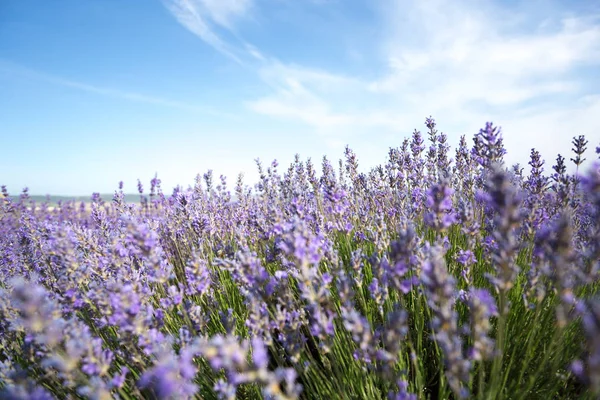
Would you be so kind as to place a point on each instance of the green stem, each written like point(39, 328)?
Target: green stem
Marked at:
point(497, 365)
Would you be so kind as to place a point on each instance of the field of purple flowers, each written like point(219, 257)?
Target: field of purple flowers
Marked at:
point(433, 276)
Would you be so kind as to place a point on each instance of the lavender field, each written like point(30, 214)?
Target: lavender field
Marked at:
point(441, 274)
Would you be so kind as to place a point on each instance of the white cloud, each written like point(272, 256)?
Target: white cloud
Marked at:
point(464, 62)
point(331, 104)
point(201, 16)
point(225, 12)
point(254, 52)
point(551, 131)
point(468, 46)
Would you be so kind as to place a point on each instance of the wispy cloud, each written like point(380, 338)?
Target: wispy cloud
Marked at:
point(465, 62)
point(16, 69)
point(201, 17)
point(485, 52)
point(327, 102)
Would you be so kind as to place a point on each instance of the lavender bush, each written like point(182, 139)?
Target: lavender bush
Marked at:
point(429, 277)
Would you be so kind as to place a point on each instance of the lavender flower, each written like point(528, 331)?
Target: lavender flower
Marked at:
point(440, 289)
point(489, 147)
point(402, 393)
point(579, 147)
point(506, 203)
point(440, 215)
point(171, 377)
point(483, 306)
point(590, 370)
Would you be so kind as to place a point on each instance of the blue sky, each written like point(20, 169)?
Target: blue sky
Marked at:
point(97, 91)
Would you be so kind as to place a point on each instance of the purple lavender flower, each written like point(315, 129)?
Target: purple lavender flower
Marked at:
point(440, 215)
point(506, 203)
point(579, 147)
point(489, 147)
point(482, 306)
point(466, 258)
point(589, 370)
point(230, 354)
point(440, 290)
point(430, 123)
point(402, 393)
point(359, 328)
point(29, 391)
point(260, 356)
point(171, 377)
point(225, 390)
point(536, 181)
point(119, 379)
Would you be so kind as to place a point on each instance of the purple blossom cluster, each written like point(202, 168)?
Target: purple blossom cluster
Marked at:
point(428, 276)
